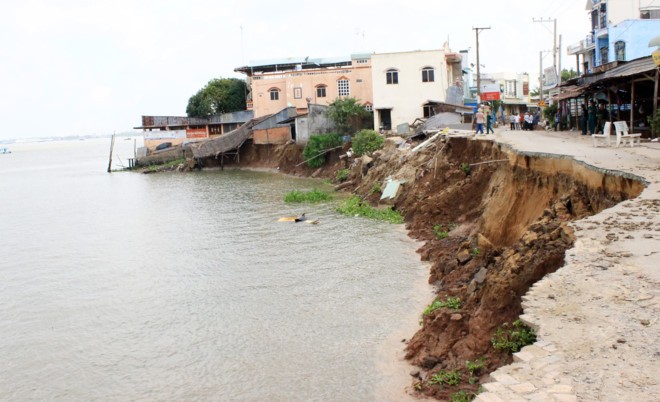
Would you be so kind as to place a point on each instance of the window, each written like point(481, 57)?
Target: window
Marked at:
point(428, 111)
point(603, 55)
point(428, 74)
point(620, 50)
point(594, 20)
point(368, 107)
point(343, 88)
point(392, 76)
point(274, 94)
point(650, 14)
point(320, 91)
point(510, 88)
point(603, 16)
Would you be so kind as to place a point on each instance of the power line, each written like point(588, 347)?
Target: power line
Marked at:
point(554, 44)
point(557, 9)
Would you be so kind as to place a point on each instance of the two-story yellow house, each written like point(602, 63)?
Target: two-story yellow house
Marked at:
point(296, 82)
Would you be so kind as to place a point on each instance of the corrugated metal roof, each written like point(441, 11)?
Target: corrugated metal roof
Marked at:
point(289, 62)
point(632, 67)
point(238, 117)
point(569, 91)
point(226, 142)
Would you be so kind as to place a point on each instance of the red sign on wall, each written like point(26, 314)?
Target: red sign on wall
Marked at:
point(196, 133)
point(490, 96)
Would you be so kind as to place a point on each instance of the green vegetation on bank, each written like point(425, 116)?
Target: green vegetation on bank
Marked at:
point(349, 115)
point(462, 396)
point(355, 207)
point(312, 196)
point(367, 141)
point(167, 165)
point(443, 378)
point(512, 338)
point(466, 168)
point(342, 175)
point(453, 303)
point(317, 146)
point(474, 368)
point(441, 231)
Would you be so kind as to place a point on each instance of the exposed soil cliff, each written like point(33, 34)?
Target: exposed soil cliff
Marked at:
point(505, 216)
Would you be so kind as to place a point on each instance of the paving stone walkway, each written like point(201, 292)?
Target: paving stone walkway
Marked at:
point(596, 317)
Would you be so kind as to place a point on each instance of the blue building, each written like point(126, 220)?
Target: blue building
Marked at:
point(620, 31)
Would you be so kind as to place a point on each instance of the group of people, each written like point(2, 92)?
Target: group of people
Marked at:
point(482, 118)
point(524, 121)
point(517, 121)
point(593, 119)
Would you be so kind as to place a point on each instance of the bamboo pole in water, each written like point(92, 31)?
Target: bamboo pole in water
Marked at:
point(112, 145)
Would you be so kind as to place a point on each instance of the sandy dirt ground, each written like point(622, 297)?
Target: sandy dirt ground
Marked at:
point(597, 316)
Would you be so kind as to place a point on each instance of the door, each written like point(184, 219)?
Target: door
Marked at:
point(385, 118)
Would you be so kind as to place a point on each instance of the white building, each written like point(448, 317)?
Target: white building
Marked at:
point(514, 90)
point(405, 84)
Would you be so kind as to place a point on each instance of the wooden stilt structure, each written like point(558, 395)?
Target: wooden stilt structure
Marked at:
point(655, 96)
point(632, 105)
point(112, 145)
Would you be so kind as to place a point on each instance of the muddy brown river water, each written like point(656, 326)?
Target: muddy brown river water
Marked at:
point(126, 286)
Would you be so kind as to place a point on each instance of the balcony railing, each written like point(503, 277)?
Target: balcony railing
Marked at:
point(581, 46)
point(589, 40)
point(575, 48)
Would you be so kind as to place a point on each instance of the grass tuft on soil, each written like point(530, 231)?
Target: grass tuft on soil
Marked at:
point(312, 196)
point(355, 207)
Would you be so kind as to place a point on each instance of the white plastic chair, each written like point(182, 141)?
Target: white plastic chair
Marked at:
point(607, 130)
point(622, 134)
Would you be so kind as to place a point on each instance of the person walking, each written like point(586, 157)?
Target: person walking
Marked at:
point(512, 121)
point(489, 124)
point(480, 119)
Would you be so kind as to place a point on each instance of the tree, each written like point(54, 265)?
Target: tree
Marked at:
point(220, 95)
point(348, 115)
point(367, 141)
point(568, 74)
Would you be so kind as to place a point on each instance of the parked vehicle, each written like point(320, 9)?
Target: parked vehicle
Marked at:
point(164, 145)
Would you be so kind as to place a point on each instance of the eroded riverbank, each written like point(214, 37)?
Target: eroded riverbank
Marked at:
point(510, 222)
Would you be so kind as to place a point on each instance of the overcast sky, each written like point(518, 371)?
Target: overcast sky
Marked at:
point(93, 67)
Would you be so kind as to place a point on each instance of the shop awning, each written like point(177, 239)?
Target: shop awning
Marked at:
point(569, 92)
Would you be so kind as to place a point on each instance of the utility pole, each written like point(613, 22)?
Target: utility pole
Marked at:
point(559, 60)
point(554, 48)
point(476, 30)
point(554, 42)
point(541, 76)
